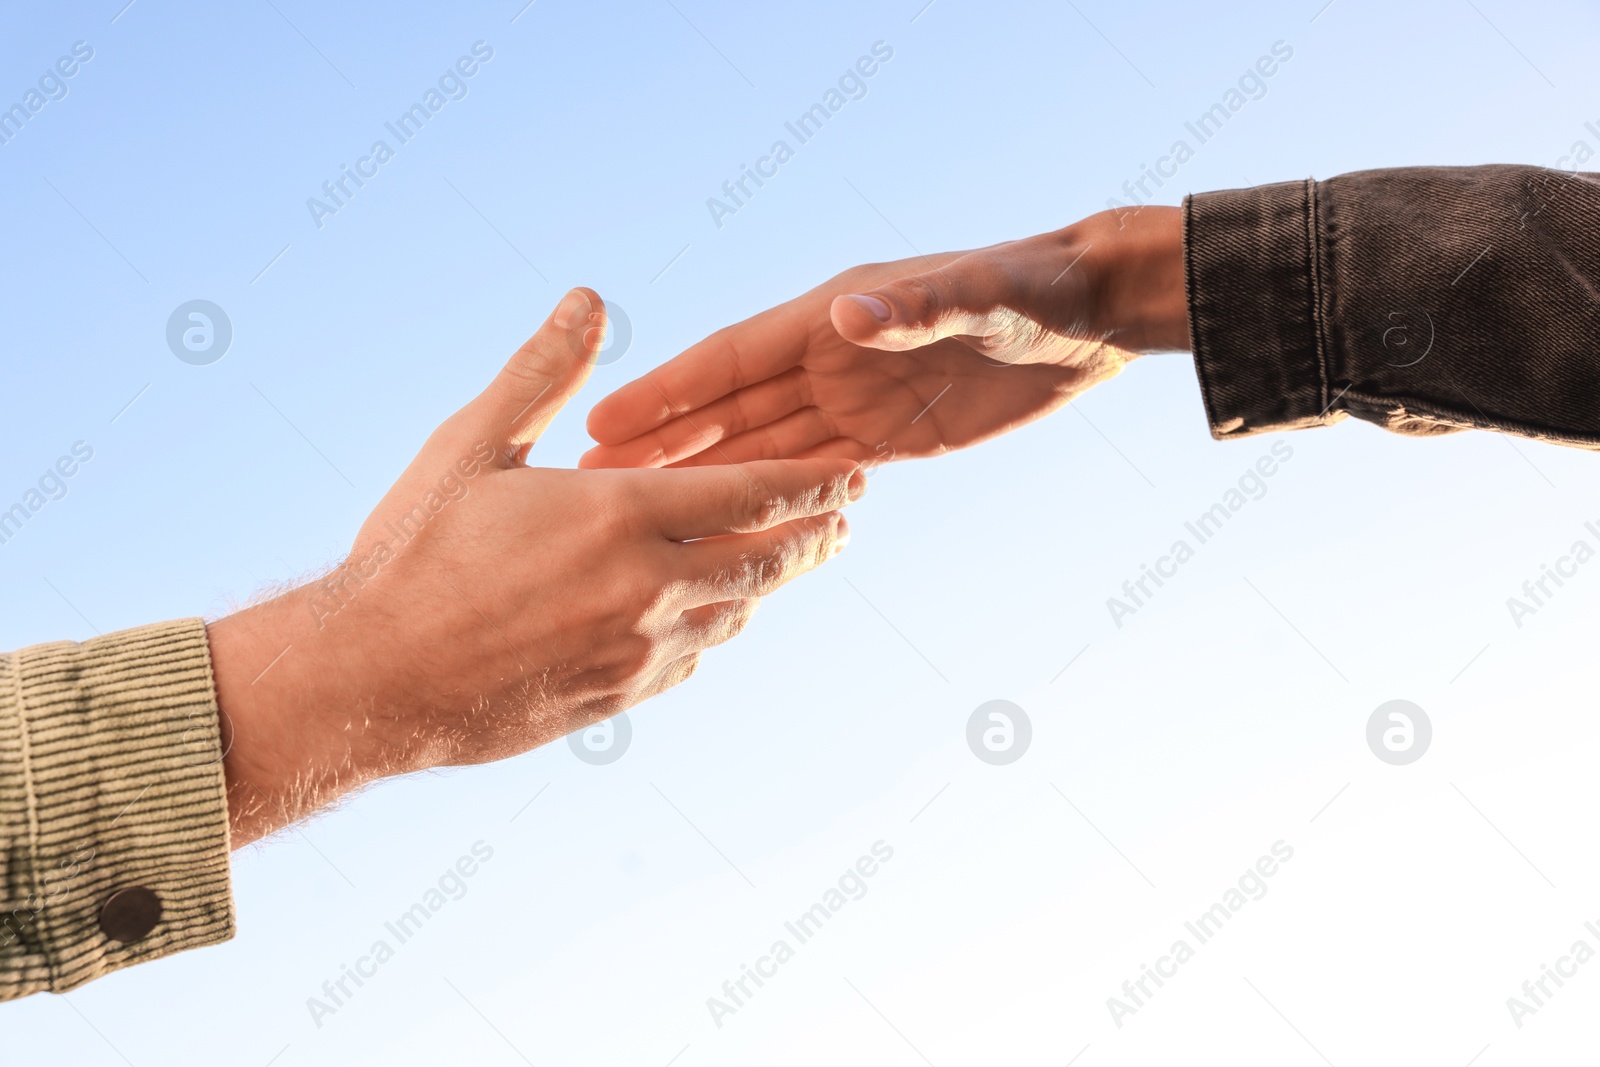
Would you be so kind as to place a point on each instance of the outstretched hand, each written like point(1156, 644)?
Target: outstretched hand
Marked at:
point(912, 358)
point(488, 607)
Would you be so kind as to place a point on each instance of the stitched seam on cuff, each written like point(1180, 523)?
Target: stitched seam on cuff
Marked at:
point(1314, 267)
point(1195, 342)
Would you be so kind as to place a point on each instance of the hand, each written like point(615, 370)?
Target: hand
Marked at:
point(914, 358)
point(488, 607)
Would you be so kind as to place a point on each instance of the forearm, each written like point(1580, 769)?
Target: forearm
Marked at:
point(1425, 300)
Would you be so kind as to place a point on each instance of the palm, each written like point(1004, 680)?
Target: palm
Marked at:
point(785, 383)
point(924, 402)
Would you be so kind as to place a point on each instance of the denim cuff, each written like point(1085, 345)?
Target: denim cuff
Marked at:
point(1255, 295)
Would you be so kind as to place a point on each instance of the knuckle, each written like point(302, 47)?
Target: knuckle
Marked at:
point(835, 491)
point(647, 601)
point(760, 507)
point(725, 579)
point(813, 543)
point(767, 513)
point(532, 368)
point(769, 570)
point(849, 280)
point(919, 298)
point(825, 541)
point(678, 673)
point(733, 621)
point(637, 599)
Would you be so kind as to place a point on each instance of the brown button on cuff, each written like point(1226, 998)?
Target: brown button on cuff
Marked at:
point(130, 913)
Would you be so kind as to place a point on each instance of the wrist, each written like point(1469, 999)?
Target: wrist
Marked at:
point(1139, 277)
point(300, 726)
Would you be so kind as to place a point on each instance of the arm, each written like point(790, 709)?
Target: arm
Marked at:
point(486, 608)
point(1425, 300)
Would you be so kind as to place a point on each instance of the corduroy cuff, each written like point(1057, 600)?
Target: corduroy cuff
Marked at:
point(112, 806)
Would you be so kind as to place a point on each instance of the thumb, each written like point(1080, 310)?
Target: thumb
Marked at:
point(965, 298)
point(542, 376)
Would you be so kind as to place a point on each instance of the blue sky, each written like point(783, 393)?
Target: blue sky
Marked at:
point(1168, 754)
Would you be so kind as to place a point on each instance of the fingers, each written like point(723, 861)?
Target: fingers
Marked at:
point(708, 501)
point(848, 448)
point(787, 437)
point(955, 300)
point(541, 377)
point(741, 566)
point(709, 625)
point(730, 359)
point(752, 406)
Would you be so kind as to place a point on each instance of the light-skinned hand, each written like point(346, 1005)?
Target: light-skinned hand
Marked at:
point(488, 607)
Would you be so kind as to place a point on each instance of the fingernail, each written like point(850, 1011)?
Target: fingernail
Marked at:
point(574, 307)
point(857, 484)
point(841, 536)
point(877, 307)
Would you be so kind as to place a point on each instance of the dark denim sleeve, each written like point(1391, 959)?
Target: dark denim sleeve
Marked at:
point(1425, 299)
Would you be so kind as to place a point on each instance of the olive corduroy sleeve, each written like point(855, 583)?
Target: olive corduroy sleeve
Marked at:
point(1423, 299)
point(113, 814)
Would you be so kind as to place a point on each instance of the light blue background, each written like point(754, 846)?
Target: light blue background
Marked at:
point(1211, 725)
